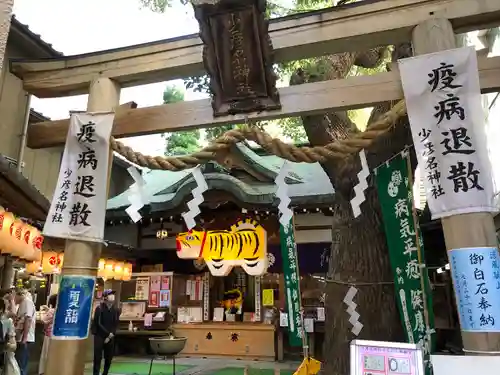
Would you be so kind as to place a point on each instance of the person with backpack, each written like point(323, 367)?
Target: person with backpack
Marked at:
point(7, 342)
point(104, 326)
point(48, 321)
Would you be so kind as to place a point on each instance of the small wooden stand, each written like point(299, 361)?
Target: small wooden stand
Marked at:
point(237, 340)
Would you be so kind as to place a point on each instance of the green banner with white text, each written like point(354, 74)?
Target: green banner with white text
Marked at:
point(406, 251)
point(292, 284)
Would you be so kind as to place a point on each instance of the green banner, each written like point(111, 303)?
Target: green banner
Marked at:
point(412, 285)
point(292, 284)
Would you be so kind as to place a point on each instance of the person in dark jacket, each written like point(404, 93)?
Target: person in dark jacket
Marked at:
point(104, 325)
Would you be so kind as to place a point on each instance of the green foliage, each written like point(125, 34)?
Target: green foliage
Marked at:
point(172, 94)
point(158, 6)
point(198, 83)
point(213, 133)
point(293, 128)
point(290, 127)
point(274, 8)
point(181, 142)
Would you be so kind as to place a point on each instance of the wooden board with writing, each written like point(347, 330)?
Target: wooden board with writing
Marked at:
point(237, 55)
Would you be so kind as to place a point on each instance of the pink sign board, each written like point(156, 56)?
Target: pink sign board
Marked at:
point(385, 358)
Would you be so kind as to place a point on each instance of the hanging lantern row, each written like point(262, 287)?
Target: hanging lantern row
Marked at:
point(110, 269)
point(50, 264)
point(19, 239)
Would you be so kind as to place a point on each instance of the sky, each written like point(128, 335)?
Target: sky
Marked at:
point(74, 27)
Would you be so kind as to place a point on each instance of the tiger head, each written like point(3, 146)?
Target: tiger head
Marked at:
point(189, 244)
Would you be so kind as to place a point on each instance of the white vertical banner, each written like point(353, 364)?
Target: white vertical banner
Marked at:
point(447, 121)
point(78, 207)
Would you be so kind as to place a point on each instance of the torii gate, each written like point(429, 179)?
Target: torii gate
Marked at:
point(430, 24)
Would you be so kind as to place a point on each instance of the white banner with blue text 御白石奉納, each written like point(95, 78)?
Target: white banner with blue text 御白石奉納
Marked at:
point(78, 206)
point(476, 278)
point(443, 100)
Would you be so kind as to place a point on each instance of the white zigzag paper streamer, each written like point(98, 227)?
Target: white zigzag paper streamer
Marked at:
point(194, 204)
point(359, 189)
point(351, 310)
point(286, 213)
point(137, 197)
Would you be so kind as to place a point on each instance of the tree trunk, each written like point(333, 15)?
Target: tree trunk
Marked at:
point(5, 17)
point(359, 254)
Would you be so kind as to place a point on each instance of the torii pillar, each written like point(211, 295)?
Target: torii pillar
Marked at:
point(67, 357)
point(466, 230)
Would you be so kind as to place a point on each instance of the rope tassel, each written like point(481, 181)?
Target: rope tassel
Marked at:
point(339, 149)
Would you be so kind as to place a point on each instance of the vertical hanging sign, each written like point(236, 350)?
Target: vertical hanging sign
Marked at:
point(74, 306)
point(443, 99)
point(406, 253)
point(476, 277)
point(206, 296)
point(78, 206)
point(258, 299)
point(292, 284)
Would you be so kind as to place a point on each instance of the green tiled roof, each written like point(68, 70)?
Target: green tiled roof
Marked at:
point(308, 184)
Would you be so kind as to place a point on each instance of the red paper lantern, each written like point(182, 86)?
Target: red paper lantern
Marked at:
point(15, 243)
point(6, 220)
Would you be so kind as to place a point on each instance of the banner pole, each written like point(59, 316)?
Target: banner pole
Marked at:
point(305, 344)
point(420, 257)
point(465, 232)
point(80, 257)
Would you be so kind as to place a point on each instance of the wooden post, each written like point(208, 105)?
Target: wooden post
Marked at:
point(281, 298)
point(5, 18)
point(466, 230)
point(82, 258)
point(7, 272)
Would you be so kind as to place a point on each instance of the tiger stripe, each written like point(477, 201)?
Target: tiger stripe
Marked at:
point(227, 243)
point(245, 245)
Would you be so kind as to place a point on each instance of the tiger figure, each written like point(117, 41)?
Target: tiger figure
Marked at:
point(245, 245)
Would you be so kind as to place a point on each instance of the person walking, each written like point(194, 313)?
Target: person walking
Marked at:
point(10, 303)
point(104, 326)
point(9, 363)
point(25, 328)
point(48, 320)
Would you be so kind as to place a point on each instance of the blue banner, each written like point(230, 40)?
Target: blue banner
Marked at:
point(74, 307)
point(476, 277)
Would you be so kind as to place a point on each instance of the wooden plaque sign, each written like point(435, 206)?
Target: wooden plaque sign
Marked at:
point(237, 55)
